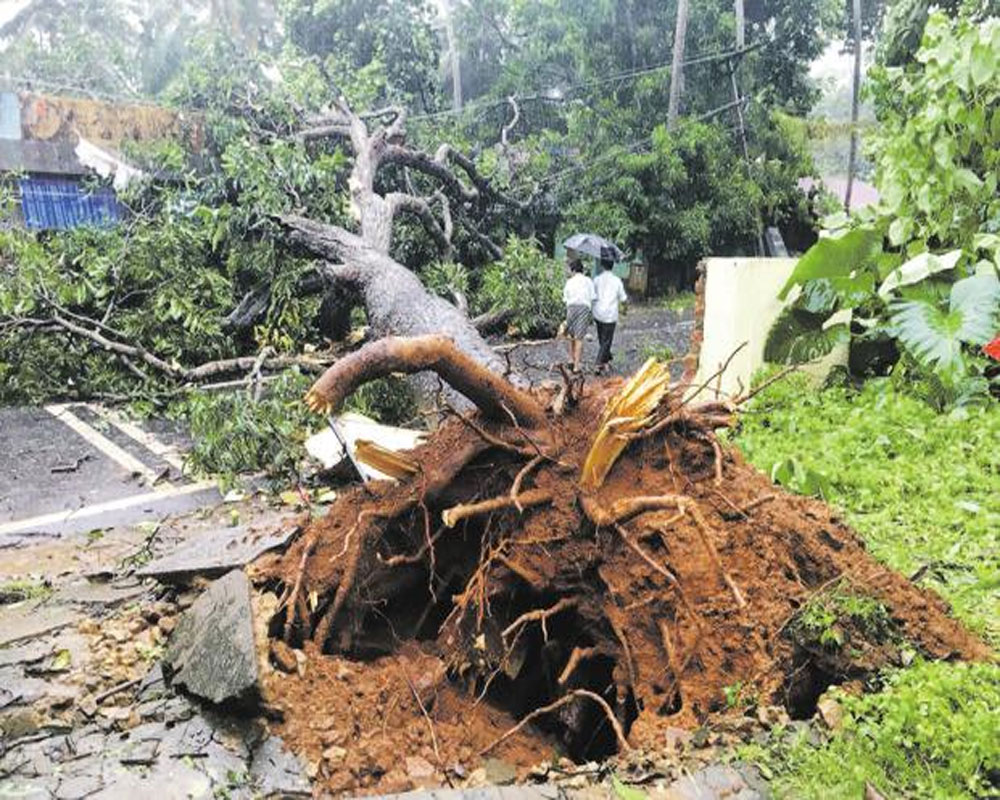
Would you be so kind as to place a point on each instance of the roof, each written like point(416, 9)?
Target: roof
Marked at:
point(862, 193)
point(52, 158)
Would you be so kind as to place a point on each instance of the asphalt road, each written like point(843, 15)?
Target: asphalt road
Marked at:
point(78, 467)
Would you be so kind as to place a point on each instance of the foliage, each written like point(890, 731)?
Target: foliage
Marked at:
point(387, 400)
point(677, 301)
point(827, 617)
point(376, 51)
point(676, 199)
point(17, 591)
point(528, 282)
point(930, 732)
point(235, 434)
point(922, 488)
point(447, 279)
point(938, 168)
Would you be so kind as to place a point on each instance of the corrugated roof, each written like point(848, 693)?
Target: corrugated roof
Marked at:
point(59, 204)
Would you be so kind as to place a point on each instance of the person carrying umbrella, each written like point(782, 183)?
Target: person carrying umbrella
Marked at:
point(609, 292)
point(608, 288)
point(578, 295)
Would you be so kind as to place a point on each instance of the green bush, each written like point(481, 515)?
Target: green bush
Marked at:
point(931, 732)
point(527, 282)
point(236, 435)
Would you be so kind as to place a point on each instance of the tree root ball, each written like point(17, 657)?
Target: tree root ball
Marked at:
point(608, 618)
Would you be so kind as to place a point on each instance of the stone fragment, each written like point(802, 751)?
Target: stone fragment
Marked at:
point(499, 771)
point(166, 625)
point(335, 753)
point(215, 554)
point(276, 772)
point(830, 711)
point(418, 767)
point(212, 653)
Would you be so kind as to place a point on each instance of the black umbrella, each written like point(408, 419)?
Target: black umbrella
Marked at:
point(593, 245)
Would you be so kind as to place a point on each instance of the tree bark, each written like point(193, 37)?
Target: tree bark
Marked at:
point(852, 160)
point(396, 301)
point(677, 67)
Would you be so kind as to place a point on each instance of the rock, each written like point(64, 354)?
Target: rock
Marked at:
point(212, 652)
point(677, 738)
point(417, 767)
point(136, 626)
point(283, 656)
point(733, 782)
point(499, 771)
point(215, 554)
point(166, 625)
point(334, 753)
point(830, 711)
point(276, 772)
point(770, 716)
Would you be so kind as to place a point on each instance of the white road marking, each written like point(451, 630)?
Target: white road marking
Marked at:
point(146, 439)
point(104, 444)
point(121, 504)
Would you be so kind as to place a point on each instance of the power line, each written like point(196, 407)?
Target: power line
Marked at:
point(553, 95)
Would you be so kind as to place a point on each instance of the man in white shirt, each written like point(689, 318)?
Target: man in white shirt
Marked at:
point(608, 293)
point(578, 295)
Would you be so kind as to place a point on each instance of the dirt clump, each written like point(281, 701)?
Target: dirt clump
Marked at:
point(433, 621)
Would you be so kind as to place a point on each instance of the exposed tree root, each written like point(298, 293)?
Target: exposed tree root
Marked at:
point(636, 608)
point(566, 698)
point(533, 497)
point(495, 397)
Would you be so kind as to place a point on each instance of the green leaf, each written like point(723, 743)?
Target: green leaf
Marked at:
point(798, 337)
point(982, 64)
point(935, 336)
point(623, 792)
point(835, 257)
point(917, 269)
point(968, 180)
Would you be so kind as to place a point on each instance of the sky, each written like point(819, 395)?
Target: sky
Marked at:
point(8, 8)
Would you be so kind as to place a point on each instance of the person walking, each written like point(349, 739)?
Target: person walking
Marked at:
point(609, 292)
point(578, 295)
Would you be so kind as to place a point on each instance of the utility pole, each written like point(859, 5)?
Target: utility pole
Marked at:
point(741, 25)
point(852, 161)
point(453, 56)
point(677, 66)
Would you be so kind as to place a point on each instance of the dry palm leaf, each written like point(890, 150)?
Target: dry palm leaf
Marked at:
point(626, 414)
point(386, 461)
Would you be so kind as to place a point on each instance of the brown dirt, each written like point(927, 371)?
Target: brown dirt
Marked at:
point(440, 621)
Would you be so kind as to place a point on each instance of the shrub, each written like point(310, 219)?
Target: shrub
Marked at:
point(528, 283)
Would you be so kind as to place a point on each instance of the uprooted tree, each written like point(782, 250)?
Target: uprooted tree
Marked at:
point(593, 549)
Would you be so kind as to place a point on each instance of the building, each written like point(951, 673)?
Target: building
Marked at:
point(53, 148)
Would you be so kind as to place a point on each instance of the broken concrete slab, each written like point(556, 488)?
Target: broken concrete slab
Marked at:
point(33, 619)
point(326, 448)
point(215, 554)
point(716, 781)
point(212, 652)
point(277, 772)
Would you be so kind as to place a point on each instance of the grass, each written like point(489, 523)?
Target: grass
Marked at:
point(676, 301)
point(17, 591)
point(931, 732)
point(923, 490)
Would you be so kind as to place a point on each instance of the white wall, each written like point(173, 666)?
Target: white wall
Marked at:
point(741, 304)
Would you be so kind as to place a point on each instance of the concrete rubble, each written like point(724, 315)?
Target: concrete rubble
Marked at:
point(212, 653)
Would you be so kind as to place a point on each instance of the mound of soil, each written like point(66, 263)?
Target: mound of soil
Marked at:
point(439, 639)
